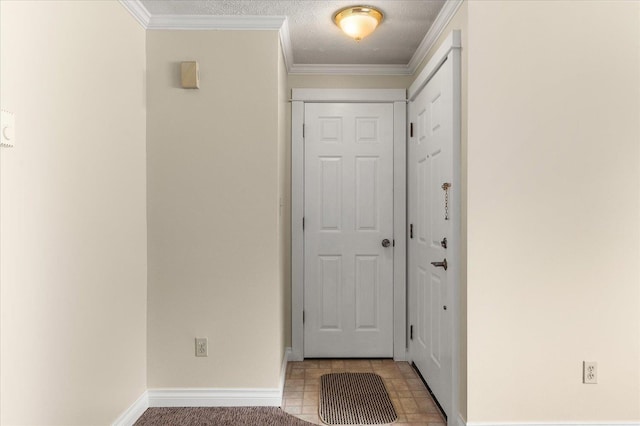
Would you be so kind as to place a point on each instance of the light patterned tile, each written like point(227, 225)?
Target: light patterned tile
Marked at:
point(426, 405)
point(291, 394)
point(405, 366)
point(298, 373)
point(315, 373)
point(422, 417)
point(324, 364)
point(409, 405)
point(404, 394)
point(337, 363)
point(421, 393)
point(357, 363)
point(400, 384)
point(309, 409)
point(311, 418)
point(312, 387)
point(292, 388)
point(310, 364)
point(311, 398)
point(293, 410)
point(388, 384)
point(415, 384)
point(389, 373)
point(293, 402)
point(397, 405)
point(401, 418)
point(295, 364)
point(409, 375)
point(410, 398)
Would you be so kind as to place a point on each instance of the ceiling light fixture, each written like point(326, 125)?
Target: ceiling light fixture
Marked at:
point(358, 21)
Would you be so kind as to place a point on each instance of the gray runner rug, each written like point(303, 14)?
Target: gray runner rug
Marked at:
point(355, 399)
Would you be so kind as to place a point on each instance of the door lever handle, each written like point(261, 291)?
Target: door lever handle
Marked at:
point(442, 264)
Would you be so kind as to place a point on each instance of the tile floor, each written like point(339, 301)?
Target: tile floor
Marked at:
point(410, 398)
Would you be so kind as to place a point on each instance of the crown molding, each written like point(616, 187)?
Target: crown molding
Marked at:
point(138, 11)
point(215, 22)
point(285, 42)
point(350, 69)
point(280, 23)
point(431, 37)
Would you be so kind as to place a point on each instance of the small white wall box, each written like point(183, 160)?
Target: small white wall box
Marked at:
point(190, 75)
point(7, 129)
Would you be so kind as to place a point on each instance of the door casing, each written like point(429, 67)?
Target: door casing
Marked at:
point(398, 98)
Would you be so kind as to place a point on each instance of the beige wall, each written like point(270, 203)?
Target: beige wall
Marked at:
point(73, 229)
point(284, 185)
point(553, 207)
point(551, 162)
point(213, 189)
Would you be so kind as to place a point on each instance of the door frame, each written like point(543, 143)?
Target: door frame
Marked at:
point(450, 50)
point(397, 97)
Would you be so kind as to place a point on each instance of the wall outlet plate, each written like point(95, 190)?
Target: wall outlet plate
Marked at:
point(7, 129)
point(202, 346)
point(589, 372)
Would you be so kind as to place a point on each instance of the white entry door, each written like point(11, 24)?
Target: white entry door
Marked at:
point(348, 215)
point(430, 227)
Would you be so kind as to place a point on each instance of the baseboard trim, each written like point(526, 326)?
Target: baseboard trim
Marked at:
point(203, 397)
point(568, 423)
point(288, 356)
point(460, 420)
point(214, 397)
point(133, 413)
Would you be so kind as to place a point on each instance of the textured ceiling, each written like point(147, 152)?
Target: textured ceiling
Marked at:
point(315, 38)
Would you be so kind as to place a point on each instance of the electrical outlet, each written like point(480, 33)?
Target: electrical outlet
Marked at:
point(589, 372)
point(202, 346)
point(7, 129)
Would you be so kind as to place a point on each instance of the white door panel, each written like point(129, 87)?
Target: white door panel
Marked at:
point(430, 166)
point(348, 275)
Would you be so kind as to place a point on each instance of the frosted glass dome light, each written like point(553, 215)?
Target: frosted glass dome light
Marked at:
point(358, 21)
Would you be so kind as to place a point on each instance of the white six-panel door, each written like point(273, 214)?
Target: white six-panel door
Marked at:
point(430, 166)
point(348, 212)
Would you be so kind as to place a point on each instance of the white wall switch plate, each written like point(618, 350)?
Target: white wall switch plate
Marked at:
point(7, 129)
point(202, 346)
point(190, 73)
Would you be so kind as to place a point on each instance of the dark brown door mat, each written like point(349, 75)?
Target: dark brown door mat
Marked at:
point(355, 399)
